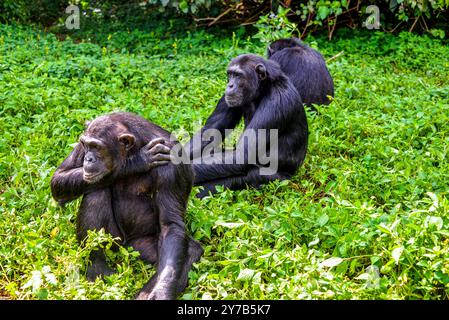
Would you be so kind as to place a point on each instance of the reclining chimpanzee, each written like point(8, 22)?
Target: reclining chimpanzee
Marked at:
point(117, 169)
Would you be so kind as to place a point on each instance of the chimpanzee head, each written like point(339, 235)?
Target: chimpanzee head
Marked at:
point(106, 146)
point(280, 44)
point(246, 75)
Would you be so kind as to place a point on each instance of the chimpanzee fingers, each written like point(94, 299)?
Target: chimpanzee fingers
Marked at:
point(160, 148)
point(154, 142)
point(161, 157)
point(158, 163)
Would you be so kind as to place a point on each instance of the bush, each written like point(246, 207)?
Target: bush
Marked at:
point(45, 12)
point(272, 27)
point(12, 10)
point(311, 15)
point(318, 14)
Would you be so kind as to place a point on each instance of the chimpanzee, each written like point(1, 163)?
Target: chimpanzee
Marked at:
point(121, 168)
point(264, 96)
point(306, 68)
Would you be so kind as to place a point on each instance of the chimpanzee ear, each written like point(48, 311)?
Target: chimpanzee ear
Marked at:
point(127, 140)
point(87, 124)
point(261, 71)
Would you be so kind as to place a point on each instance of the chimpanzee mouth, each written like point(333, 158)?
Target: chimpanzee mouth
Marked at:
point(233, 101)
point(91, 177)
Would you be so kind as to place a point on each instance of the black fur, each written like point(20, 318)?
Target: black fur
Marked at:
point(276, 104)
point(145, 208)
point(306, 68)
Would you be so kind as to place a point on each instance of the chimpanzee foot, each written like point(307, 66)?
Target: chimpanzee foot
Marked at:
point(195, 250)
point(155, 295)
point(96, 270)
point(194, 253)
point(162, 286)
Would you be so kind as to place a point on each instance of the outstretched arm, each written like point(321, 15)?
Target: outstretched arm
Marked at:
point(222, 118)
point(278, 110)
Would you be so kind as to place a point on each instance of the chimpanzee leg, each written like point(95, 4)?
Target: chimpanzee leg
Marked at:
point(195, 251)
point(96, 213)
point(99, 267)
point(173, 245)
point(147, 247)
point(171, 259)
point(210, 172)
point(217, 166)
point(252, 179)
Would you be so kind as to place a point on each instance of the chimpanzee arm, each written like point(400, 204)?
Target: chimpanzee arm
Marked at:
point(68, 184)
point(278, 109)
point(222, 118)
point(153, 154)
point(228, 163)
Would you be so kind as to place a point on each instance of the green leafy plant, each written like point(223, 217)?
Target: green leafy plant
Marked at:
point(275, 26)
point(366, 217)
point(307, 16)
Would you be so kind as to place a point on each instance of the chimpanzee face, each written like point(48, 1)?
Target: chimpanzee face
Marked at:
point(244, 79)
point(98, 162)
point(102, 157)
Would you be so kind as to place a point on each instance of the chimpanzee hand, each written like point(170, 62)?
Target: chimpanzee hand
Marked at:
point(155, 153)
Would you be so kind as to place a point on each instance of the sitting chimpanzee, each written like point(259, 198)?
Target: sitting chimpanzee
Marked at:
point(117, 169)
point(306, 68)
point(265, 97)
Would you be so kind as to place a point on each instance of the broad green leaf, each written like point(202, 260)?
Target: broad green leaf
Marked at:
point(323, 219)
point(396, 253)
point(434, 198)
point(331, 262)
point(384, 229)
point(246, 274)
point(184, 6)
point(314, 242)
point(229, 224)
point(323, 12)
point(363, 276)
point(435, 221)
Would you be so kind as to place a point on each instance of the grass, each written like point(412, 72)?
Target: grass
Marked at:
point(366, 217)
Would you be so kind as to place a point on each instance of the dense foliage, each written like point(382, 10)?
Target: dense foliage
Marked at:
point(42, 11)
point(367, 216)
point(310, 15)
